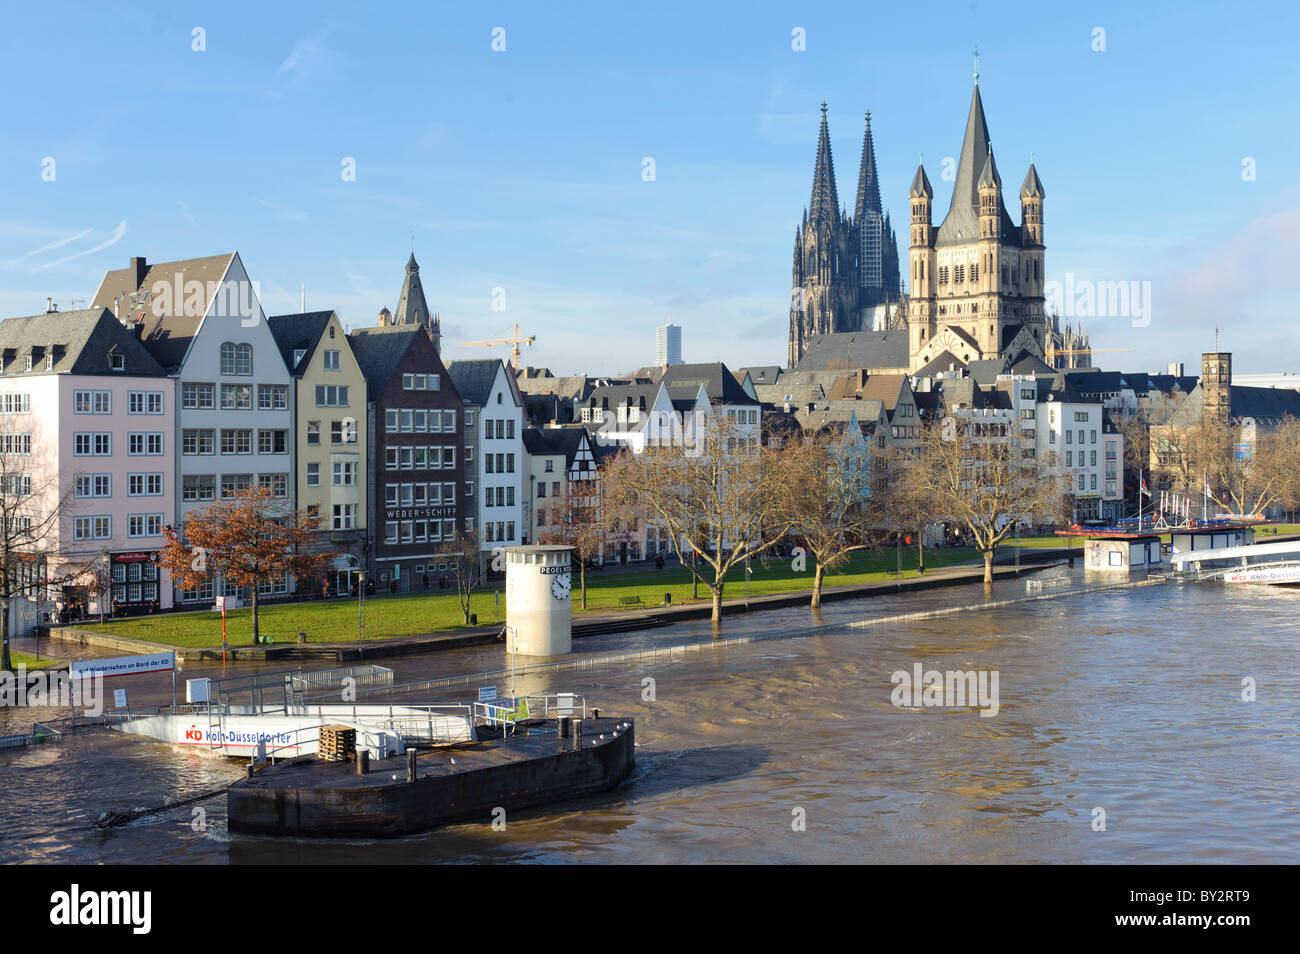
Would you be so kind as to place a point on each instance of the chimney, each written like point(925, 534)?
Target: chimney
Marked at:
point(50, 307)
point(136, 271)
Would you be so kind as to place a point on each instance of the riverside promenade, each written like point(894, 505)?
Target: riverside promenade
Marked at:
point(588, 624)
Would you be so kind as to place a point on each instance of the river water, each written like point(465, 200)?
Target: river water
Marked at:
point(1127, 700)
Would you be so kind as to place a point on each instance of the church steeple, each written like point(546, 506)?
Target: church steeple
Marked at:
point(868, 182)
point(412, 309)
point(825, 203)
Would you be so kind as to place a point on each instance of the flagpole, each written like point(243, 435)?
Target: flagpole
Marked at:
point(1141, 485)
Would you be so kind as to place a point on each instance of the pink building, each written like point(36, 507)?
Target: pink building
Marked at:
point(88, 417)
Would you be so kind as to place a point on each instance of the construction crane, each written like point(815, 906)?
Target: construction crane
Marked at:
point(517, 340)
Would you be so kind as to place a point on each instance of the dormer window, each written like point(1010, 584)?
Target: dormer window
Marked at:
point(298, 355)
point(117, 362)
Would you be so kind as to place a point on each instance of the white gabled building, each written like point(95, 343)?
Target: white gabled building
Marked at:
point(494, 413)
point(202, 320)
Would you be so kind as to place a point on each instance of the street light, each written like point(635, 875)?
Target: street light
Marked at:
point(361, 613)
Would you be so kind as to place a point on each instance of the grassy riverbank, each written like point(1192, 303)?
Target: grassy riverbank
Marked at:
point(417, 614)
point(31, 662)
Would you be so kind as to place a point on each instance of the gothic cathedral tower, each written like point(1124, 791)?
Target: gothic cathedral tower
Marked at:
point(824, 293)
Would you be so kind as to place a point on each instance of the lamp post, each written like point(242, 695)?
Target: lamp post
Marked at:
point(361, 613)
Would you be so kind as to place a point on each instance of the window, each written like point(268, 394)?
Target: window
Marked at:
point(198, 442)
point(92, 444)
point(144, 444)
point(236, 397)
point(144, 402)
point(93, 485)
point(345, 473)
point(236, 358)
point(272, 397)
point(298, 355)
point(331, 360)
point(344, 516)
point(97, 402)
point(273, 442)
point(276, 484)
point(116, 362)
point(144, 525)
point(448, 419)
point(331, 395)
point(15, 404)
point(343, 432)
point(198, 396)
point(313, 433)
point(231, 484)
point(541, 487)
point(18, 445)
point(144, 485)
point(236, 442)
point(313, 475)
point(198, 487)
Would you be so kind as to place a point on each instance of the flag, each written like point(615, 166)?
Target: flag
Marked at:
point(1208, 492)
point(1144, 485)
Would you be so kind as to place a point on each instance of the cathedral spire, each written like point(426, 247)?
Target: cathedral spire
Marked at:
point(825, 204)
point(868, 182)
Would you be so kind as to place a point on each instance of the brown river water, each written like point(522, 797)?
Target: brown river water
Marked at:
point(1127, 700)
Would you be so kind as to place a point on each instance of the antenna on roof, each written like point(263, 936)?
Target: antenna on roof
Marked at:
point(303, 306)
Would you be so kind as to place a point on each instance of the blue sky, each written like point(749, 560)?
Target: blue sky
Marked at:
point(522, 169)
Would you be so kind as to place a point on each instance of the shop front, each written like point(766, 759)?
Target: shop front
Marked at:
point(135, 582)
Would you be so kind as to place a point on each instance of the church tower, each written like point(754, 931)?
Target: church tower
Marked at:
point(824, 296)
point(978, 281)
point(412, 309)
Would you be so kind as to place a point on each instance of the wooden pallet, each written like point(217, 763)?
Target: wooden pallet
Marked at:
point(338, 743)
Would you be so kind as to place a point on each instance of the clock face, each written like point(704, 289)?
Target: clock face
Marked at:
point(560, 587)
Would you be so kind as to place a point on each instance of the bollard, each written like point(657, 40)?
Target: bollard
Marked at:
point(250, 769)
point(363, 761)
point(302, 637)
point(668, 599)
point(595, 713)
point(564, 726)
point(410, 765)
point(577, 733)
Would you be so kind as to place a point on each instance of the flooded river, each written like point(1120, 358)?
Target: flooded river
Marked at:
point(1128, 701)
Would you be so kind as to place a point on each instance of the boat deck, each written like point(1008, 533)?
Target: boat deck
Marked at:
point(534, 740)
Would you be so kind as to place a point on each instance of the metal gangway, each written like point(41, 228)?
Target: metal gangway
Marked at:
point(1255, 563)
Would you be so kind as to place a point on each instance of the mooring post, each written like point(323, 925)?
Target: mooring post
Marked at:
point(410, 765)
point(565, 723)
point(577, 733)
point(363, 761)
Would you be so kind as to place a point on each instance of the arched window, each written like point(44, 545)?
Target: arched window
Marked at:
point(228, 358)
point(243, 359)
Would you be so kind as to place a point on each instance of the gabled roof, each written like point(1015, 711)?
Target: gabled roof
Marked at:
point(300, 331)
point(858, 349)
point(474, 378)
point(170, 323)
point(81, 342)
point(985, 371)
point(554, 441)
point(1032, 364)
point(1263, 404)
point(763, 374)
point(944, 363)
point(379, 352)
point(716, 379)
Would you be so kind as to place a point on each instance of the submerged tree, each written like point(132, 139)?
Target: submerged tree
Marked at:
point(720, 493)
point(980, 474)
point(467, 547)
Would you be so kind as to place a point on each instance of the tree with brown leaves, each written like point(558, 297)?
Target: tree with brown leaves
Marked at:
point(249, 539)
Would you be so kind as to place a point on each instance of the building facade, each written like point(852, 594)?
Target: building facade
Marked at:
point(331, 430)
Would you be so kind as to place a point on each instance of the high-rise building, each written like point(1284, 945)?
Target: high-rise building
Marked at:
point(668, 345)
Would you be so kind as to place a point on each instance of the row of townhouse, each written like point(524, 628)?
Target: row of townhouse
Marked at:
point(174, 391)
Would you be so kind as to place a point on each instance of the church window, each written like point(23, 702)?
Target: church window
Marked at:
point(975, 271)
point(958, 273)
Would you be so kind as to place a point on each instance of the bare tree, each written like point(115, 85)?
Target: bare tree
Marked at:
point(467, 547)
point(721, 495)
point(31, 513)
point(978, 473)
point(1248, 468)
point(827, 496)
point(574, 519)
